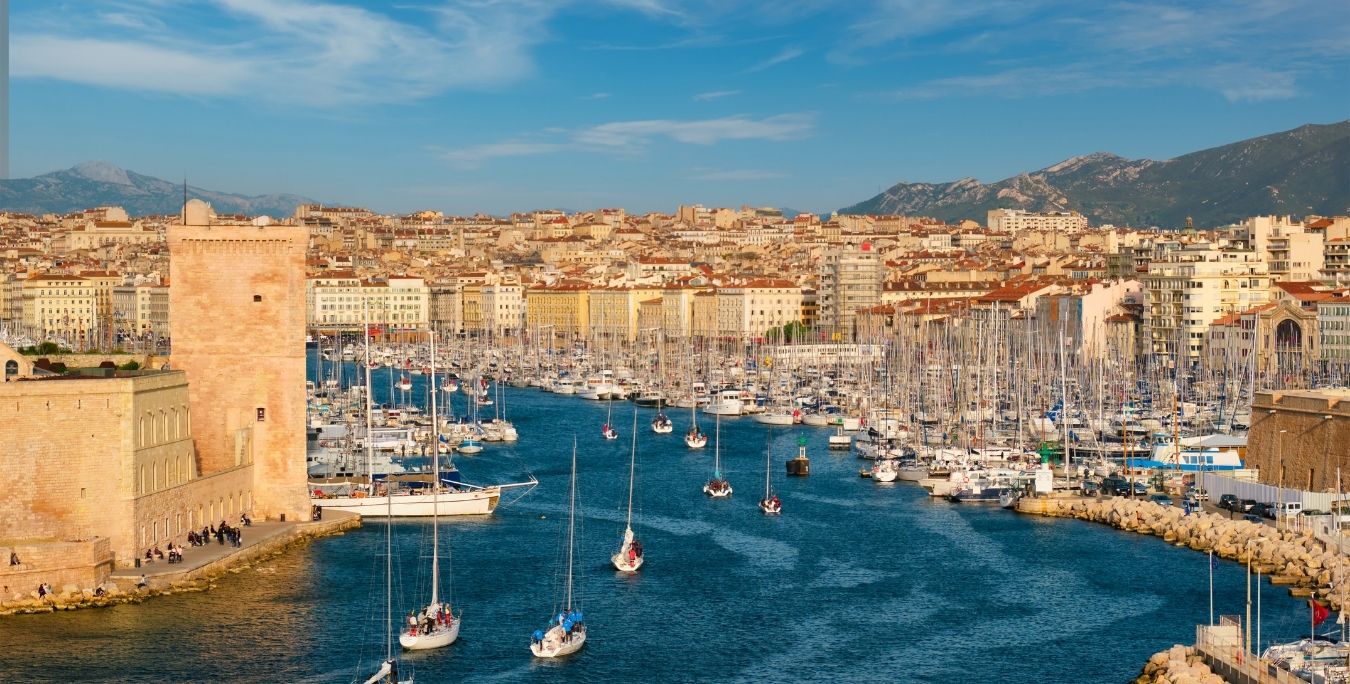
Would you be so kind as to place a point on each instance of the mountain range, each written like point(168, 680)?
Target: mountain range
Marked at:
point(99, 184)
point(1302, 171)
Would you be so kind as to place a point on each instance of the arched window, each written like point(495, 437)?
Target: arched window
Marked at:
point(176, 473)
point(173, 424)
point(11, 369)
point(154, 468)
point(144, 482)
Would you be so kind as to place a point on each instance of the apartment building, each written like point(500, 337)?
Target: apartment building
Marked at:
point(1020, 220)
point(63, 308)
point(342, 301)
point(747, 310)
point(1192, 286)
point(850, 280)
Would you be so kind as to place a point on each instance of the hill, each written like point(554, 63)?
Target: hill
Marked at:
point(97, 184)
point(1303, 171)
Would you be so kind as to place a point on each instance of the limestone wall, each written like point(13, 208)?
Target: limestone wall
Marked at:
point(237, 317)
point(1297, 445)
point(65, 565)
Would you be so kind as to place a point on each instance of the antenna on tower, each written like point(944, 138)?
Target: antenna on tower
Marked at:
point(184, 210)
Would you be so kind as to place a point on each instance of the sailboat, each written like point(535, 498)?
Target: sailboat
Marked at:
point(566, 632)
point(770, 504)
point(436, 625)
point(717, 487)
point(629, 557)
point(661, 424)
point(608, 430)
point(388, 672)
point(694, 438)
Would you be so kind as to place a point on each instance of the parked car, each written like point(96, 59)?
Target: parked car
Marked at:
point(1199, 494)
point(1089, 488)
point(1228, 501)
point(1263, 510)
point(1140, 489)
point(1245, 505)
point(1115, 486)
point(1161, 499)
point(1288, 509)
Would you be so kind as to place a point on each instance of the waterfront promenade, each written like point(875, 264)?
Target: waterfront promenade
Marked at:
point(200, 565)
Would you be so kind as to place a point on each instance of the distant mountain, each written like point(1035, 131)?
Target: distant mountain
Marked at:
point(1303, 171)
point(97, 184)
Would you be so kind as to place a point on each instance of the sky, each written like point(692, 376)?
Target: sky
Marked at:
point(496, 106)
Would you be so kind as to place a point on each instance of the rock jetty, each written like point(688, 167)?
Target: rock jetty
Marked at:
point(1308, 564)
point(1177, 665)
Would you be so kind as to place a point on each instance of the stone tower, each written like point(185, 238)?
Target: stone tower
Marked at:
point(237, 323)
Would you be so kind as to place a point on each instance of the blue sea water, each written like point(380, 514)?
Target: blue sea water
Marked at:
point(856, 581)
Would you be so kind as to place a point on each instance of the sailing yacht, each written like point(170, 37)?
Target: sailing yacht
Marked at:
point(436, 625)
point(566, 632)
point(629, 556)
point(694, 438)
point(388, 672)
point(717, 487)
point(770, 504)
point(608, 430)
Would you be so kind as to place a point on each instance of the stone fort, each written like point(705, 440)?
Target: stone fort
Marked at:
point(102, 464)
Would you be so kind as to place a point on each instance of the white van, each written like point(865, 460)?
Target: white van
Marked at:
point(1288, 509)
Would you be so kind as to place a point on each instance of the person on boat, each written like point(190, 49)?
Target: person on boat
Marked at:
point(537, 637)
point(412, 622)
point(636, 548)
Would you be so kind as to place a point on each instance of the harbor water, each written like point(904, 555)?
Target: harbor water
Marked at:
point(856, 581)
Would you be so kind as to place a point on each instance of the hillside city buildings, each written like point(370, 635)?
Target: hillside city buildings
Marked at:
point(99, 279)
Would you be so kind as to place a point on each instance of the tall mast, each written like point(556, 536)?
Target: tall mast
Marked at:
point(632, 469)
point(571, 523)
point(435, 480)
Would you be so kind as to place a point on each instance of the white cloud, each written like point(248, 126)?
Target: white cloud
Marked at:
point(474, 156)
point(715, 95)
point(784, 55)
point(620, 137)
point(628, 134)
point(131, 66)
point(595, 96)
point(306, 52)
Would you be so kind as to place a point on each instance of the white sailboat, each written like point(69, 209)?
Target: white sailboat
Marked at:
point(608, 430)
point(694, 438)
point(436, 625)
point(661, 423)
point(717, 487)
point(629, 556)
point(566, 632)
point(770, 504)
point(388, 672)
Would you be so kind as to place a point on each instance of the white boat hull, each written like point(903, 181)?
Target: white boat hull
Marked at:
point(717, 493)
point(695, 442)
point(623, 564)
point(476, 502)
point(663, 428)
point(444, 636)
point(816, 420)
point(555, 646)
point(773, 418)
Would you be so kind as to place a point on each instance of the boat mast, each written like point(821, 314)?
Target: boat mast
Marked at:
point(632, 470)
point(571, 523)
point(435, 479)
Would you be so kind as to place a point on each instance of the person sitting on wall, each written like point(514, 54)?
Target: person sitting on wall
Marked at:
point(14, 558)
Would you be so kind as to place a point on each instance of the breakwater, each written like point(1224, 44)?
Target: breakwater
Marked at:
point(1309, 565)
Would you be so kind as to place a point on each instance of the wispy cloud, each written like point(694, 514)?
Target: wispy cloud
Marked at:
point(309, 52)
point(1235, 82)
point(630, 137)
point(715, 95)
point(738, 175)
point(629, 134)
point(595, 96)
point(784, 55)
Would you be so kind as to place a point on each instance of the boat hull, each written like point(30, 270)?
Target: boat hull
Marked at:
point(554, 646)
point(623, 564)
point(424, 642)
point(772, 418)
point(476, 502)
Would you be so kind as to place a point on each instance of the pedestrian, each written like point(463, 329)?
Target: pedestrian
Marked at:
point(142, 582)
point(13, 558)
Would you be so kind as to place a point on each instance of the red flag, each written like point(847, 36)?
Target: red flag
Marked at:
point(1319, 611)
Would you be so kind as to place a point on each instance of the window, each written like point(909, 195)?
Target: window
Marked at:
point(257, 298)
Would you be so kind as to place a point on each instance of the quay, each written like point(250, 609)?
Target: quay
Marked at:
point(200, 565)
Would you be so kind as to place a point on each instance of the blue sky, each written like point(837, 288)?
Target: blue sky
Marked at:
point(512, 105)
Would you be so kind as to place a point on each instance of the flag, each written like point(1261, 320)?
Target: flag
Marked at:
point(1319, 612)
